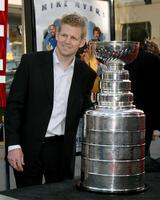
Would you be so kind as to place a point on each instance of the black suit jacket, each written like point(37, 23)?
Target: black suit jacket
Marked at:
point(30, 103)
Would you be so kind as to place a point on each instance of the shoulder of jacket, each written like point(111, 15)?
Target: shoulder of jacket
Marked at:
point(86, 68)
point(37, 54)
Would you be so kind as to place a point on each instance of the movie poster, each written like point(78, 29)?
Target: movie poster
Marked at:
point(48, 12)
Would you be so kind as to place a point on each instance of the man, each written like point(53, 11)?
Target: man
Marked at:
point(49, 94)
point(96, 34)
point(50, 41)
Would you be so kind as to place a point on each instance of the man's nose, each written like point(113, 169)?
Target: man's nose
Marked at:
point(68, 39)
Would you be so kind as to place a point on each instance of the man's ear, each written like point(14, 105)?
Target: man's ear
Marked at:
point(83, 41)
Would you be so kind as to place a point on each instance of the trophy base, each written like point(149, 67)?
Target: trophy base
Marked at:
point(80, 186)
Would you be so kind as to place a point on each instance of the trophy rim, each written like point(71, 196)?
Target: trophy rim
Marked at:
point(116, 42)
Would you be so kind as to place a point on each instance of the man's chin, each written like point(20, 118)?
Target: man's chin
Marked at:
point(66, 52)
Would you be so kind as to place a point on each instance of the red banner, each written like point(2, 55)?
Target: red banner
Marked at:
point(3, 39)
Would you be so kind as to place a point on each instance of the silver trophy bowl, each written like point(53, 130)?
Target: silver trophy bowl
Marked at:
point(113, 138)
point(115, 52)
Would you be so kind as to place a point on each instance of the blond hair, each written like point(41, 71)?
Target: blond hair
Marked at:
point(76, 21)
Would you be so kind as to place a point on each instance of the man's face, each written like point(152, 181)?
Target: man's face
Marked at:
point(69, 40)
point(96, 35)
point(53, 30)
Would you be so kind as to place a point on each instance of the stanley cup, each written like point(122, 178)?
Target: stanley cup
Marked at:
point(113, 142)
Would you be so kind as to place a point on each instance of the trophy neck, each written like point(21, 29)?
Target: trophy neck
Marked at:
point(112, 66)
point(115, 88)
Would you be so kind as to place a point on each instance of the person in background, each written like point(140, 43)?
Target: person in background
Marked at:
point(50, 92)
point(144, 75)
point(94, 63)
point(96, 34)
point(50, 41)
point(84, 54)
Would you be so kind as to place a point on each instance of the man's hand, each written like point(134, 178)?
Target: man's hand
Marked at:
point(152, 47)
point(16, 159)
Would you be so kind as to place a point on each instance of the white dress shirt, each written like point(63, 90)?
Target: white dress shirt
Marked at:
point(62, 84)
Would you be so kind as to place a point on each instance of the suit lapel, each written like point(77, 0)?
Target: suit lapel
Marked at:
point(47, 73)
point(74, 90)
point(69, 139)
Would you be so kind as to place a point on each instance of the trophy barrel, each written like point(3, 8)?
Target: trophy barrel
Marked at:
point(113, 151)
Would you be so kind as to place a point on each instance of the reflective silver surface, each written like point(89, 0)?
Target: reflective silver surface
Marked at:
point(115, 86)
point(115, 52)
point(114, 132)
point(112, 75)
point(125, 99)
